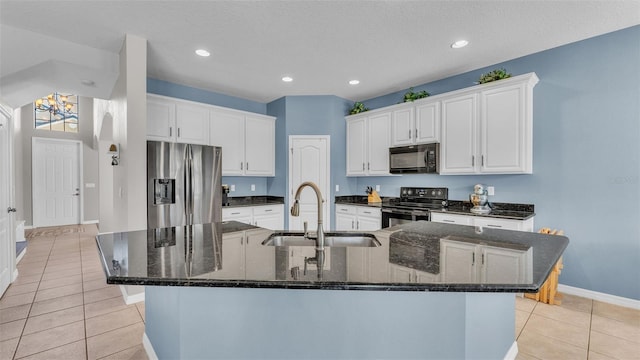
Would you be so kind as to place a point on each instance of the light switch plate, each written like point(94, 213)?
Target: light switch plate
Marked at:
point(378, 188)
point(253, 187)
point(232, 187)
point(337, 188)
point(491, 190)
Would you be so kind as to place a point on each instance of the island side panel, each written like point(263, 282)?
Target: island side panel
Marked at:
point(490, 324)
point(190, 322)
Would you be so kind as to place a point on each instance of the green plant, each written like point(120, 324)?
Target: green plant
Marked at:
point(357, 108)
point(494, 75)
point(411, 96)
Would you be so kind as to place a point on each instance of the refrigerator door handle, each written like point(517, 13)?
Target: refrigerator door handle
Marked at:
point(188, 184)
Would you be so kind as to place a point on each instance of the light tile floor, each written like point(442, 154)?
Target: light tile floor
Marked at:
point(60, 307)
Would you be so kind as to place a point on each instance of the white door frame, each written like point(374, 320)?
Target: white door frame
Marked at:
point(9, 249)
point(325, 192)
point(78, 143)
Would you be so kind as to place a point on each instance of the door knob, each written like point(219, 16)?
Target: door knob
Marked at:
point(10, 209)
point(76, 194)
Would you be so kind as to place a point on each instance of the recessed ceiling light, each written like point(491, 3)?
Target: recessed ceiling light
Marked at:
point(287, 79)
point(459, 44)
point(87, 82)
point(202, 52)
point(354, 82)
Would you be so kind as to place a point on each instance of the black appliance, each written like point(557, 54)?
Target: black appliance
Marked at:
point(413, 204)
point(415, 159)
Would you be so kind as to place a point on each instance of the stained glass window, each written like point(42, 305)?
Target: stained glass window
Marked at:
point(56, 112)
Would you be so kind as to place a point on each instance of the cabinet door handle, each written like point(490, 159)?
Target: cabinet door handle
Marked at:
point(367, 212)
point(357, 225)
point(247, 166)
point(473, 258)
point(241, 166)
point(235, 213)
point(170, 131)
point(416, 134)
point(362, 166)
point(268, 210)
point(368, 166)
point(482, 259)
point(494, 226)
point(482, 160)
point(473, 160)
point(449, 221)
point(178, 132)
point(409, 134)
point(352, 224)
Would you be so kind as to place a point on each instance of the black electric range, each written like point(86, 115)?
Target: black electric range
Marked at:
point(413, 204)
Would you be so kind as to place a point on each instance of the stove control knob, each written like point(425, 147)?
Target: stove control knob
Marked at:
point(433, 192)
point(439, 192)
point(409, 192)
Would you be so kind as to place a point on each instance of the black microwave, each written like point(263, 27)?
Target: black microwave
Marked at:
point(415, 159)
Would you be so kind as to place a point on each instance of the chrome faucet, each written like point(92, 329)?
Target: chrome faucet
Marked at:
point(295, 211)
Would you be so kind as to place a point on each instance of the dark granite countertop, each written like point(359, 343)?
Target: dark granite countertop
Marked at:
point(242, 201)
point(357, 200)
point(498, 210)
point(195, 256)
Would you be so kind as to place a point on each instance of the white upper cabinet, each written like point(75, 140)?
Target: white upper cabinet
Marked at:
point(458, 147)
point(427, 123)
point(260, 146)
point(368, 141)
point(192, 122)
point(247, 141)
point(174, 120)
point(403, 127)
point(161, 119)
point(416, 123)
point(227, 131)
point(488, 129)
point(357, 146)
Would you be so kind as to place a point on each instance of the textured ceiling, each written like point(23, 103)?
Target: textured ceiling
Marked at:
point(387, 45)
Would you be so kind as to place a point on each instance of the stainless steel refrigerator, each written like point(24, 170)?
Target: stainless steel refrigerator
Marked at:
point(183, 184)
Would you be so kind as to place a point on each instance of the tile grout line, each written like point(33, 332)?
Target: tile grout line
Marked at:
point(15, 352)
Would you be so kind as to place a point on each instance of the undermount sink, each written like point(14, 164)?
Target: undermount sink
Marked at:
point(335, 239)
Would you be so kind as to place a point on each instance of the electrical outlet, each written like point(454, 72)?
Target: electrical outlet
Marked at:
point(337, 188)
point(232, 188)
point(378, 188)
point(253, 187)
point(491, 190)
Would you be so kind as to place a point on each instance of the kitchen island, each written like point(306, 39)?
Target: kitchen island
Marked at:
point(214, 291)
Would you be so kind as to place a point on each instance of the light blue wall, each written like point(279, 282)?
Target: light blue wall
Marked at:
point(586, 161)
point(311, 115)
point(161, 87)
point(185, 322)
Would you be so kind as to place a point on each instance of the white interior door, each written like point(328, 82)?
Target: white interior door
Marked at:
point(7, 244)
point(56, 182)
point(309, 161)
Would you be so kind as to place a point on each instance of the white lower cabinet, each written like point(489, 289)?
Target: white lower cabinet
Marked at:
point(265, 216)
point(363, 265)
point(465, 262)
point(244, 256)
point(403, 274)
point(483, 221)
point(364, 218)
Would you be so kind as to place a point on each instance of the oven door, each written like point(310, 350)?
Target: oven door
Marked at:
point(392, 216)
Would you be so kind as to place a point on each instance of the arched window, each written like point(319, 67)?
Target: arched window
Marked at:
point(56, 112)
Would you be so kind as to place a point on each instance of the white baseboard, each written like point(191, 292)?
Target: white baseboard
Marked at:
point(15, 276)
point(131, 299)
point(149, 348)
point(90, 222)
point(594, 295)
point(513, 352)
point(21, 255)
point(28, 227)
